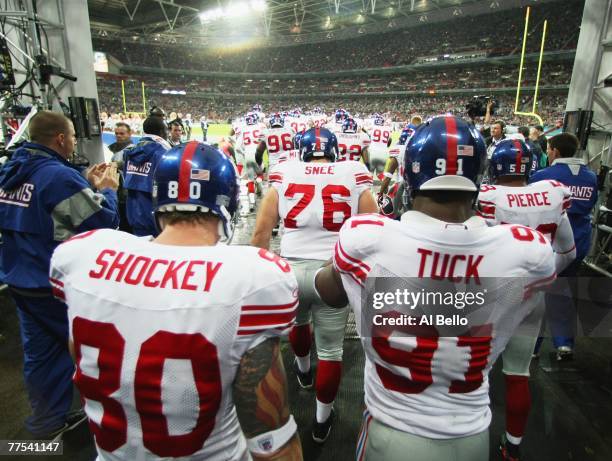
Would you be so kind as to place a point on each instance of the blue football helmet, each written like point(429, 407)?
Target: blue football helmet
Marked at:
point(406, 134)
point(277, 120)
point(511, 157)
point(341, 115)
point(317, 143)
point(349, 125)
point(251, 118)
point(445, 153)
point(256, 108)
point(196, 177)
point(379, 120)
point(296, 139)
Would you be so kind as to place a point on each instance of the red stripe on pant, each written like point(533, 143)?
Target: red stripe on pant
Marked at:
point(518, 404)
point(328, 380)
point(300, 340)
point(251, 187)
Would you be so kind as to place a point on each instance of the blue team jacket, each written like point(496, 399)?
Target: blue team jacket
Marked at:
point(139, 163)
point(44, 200)
point(574, 173)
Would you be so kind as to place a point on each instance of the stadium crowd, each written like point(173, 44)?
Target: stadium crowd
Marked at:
point(498, 33)
point(463, 77)
point(399, 109)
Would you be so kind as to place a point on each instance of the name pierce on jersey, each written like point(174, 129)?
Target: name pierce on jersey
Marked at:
point(122, 267)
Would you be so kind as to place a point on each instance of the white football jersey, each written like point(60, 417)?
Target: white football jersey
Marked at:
point(335, 127)
point(159, 332)
point(397, 152)
point(314, 200)
point(318, 120)
point(379, 137)
point(248, 138)
point(279, 142)
point(298, 124)
point(541, 206)
point(351, 145)
point(418, 380)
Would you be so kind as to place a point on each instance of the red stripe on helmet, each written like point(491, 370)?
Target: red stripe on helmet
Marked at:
point(318, 138)
point(185, 171)
point(519, 155)
point(451, 145)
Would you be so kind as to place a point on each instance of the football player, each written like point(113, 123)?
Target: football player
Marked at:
point(314, 197)
point(426, 392)
point(352, 143)
point(247, 141)
point(174, 338)
point(278, 140)
point(393, 204)
point(380, 141)
point(339, 118)
point(318, 119)
point(298, 121)
point(541, 206)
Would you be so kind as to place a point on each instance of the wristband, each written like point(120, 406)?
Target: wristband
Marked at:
point(269, 442)
point(386, 174)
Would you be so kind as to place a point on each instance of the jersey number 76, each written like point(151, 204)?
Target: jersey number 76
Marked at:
point(307, 191)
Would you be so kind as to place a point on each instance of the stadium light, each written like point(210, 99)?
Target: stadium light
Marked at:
point(234, 10)
point(259, 5)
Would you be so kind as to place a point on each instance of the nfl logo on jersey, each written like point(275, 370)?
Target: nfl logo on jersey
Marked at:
point(265, 444)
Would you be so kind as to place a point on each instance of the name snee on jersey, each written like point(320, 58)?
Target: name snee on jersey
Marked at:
point(314, 201)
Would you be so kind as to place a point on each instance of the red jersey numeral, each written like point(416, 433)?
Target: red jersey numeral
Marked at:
point(418, 361)
point(379, 135)
point(276, 259)
point(526, 234)
point(486, 188)
point(277, 143)
point(548, 229)
point(111, 434)
point(247, 139)
point(352, 152)
point(308, 192)
point(330, 207)
point(297, 127)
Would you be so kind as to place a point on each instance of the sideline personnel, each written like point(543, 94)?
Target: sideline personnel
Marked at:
point(44, 201)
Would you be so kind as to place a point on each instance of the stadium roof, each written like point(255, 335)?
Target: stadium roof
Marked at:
point(273, 22)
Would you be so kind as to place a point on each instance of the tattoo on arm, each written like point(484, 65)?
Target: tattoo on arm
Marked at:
point(260, 389)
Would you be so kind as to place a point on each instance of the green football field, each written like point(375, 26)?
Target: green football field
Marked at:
point(215, 131)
